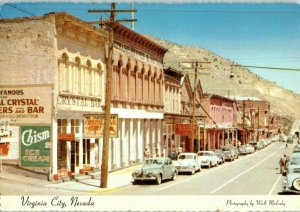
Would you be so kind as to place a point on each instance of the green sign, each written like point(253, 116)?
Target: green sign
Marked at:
point(35, 146)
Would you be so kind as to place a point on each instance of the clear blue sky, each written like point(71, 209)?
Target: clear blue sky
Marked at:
point(249, 34)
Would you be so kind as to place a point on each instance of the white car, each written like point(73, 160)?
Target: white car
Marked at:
point(208, 158)
point(188, 162)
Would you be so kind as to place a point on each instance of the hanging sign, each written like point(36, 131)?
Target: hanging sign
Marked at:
point(94, 125)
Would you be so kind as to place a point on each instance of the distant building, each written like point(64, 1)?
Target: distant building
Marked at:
point(221, 122)
point(257, 112)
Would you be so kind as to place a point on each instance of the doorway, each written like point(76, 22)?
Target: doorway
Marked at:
point(74, 155)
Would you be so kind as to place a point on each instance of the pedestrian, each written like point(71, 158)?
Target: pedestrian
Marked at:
point(286, 145)
point(147, 152)
point(282, 164)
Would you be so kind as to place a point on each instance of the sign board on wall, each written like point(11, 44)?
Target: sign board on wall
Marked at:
point(9, 142)
point(184, 129)
point(69, 102)
point(28, 105)
point(35, 151)
point(94, 125)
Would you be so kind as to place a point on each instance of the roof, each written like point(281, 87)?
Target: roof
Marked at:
point(125, 35)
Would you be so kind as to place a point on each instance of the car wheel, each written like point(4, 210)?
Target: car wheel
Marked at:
point(158, 180)
point(296, 184)
point(174, 176)
point(193, 171)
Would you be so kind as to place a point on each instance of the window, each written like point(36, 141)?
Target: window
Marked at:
point(75, 124)
point(61, 126)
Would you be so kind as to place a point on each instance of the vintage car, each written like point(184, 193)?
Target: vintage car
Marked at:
point(249, 149)
point(296, 148)
point(221, 155)
point(292, 181)
point(188, 162)
point(208, 158)
point(230, 153)
point(156, 169)
point(242, 150)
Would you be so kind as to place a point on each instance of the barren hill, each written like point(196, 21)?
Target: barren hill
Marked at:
point(243, 84)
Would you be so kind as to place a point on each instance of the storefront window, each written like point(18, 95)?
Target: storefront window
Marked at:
point(75, 124)
point(61, 126)
point(86, 151)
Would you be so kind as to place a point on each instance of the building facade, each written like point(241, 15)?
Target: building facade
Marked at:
point(56, 78)
point(221, 121)
point(137, 97)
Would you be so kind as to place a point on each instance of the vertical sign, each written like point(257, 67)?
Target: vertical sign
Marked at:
point(35, 146)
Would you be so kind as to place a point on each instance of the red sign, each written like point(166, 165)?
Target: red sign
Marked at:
point(184, 129)
point(66, 137)
point(4, 148)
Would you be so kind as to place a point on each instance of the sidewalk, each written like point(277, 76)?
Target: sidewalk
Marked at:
point(116, 179)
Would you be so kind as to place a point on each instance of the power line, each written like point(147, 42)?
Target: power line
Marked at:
point(272, 68)
point(11, 5)
point(188, 11)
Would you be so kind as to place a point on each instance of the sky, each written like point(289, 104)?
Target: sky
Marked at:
point(250, 34)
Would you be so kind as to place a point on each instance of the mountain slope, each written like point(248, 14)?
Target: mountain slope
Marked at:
point(243, 84)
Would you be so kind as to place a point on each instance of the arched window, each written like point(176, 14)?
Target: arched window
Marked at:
point(98, 80)
point(89, 79)
point(63, 73)
point(77, 75)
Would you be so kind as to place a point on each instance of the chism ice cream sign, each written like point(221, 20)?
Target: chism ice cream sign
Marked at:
point(35, 146)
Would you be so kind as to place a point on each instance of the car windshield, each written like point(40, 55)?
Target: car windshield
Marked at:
point(153, 162)
point(204, 154)
point(183, 157)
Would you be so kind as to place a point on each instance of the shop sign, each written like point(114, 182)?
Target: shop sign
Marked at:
point(69, 102)
point(66, 137)
point(9, 141)
point(28, 105)
point(94, 125)
point(184, 129)
point(35, 151)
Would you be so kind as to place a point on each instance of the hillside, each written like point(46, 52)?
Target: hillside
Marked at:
point(243, 84)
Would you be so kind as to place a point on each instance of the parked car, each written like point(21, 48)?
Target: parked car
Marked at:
point(296, 148)
point(292, 181)
point(249, 149)
point(229, 153)
point(188, 162)
point(242, 150)
point(156, 169)
point(208, 158)
point(255, 145)
point(221, 155)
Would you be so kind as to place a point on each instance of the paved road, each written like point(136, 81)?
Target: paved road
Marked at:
point(255, 174)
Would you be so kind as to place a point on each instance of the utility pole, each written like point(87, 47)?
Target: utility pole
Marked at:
point(109, 66)
point(195, 67)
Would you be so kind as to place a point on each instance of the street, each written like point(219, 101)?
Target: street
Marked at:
point(255, 174)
